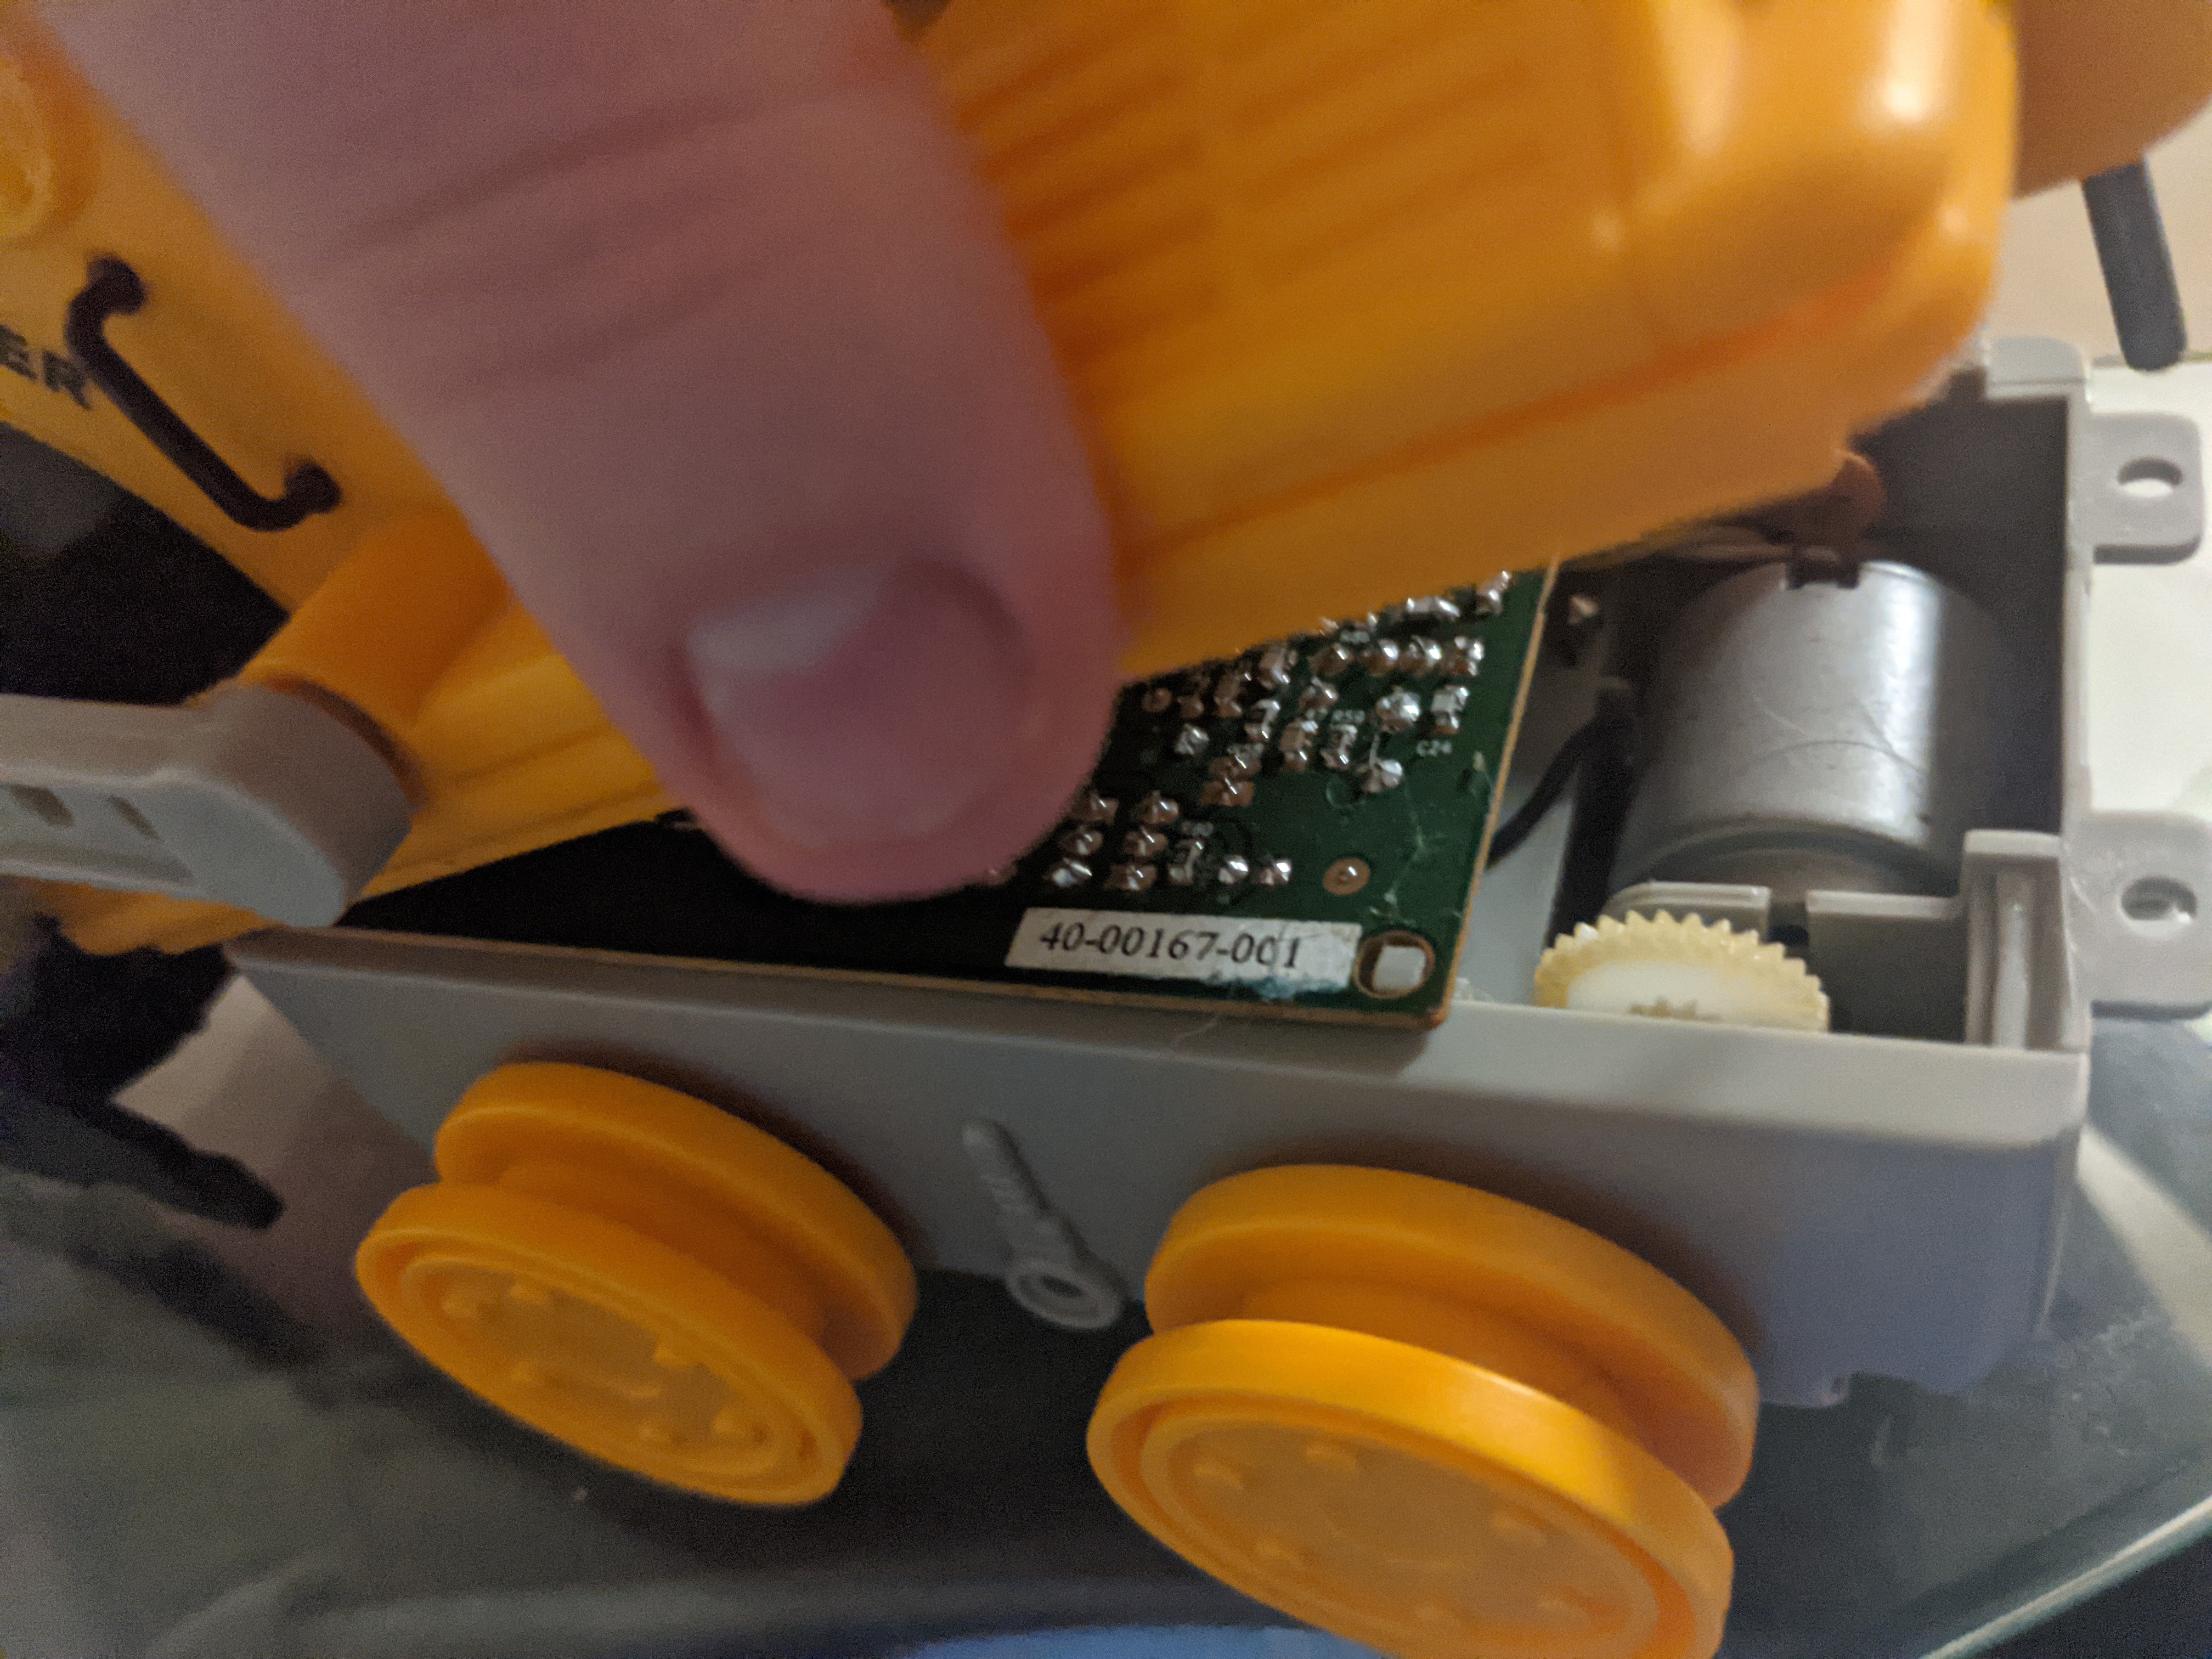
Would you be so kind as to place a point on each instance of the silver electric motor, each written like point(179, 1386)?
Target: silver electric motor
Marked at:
point(1824, 728)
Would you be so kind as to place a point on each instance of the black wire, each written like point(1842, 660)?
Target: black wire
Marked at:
point(2138, 266)
point(1550, 786)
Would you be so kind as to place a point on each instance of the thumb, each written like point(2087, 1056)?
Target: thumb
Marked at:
point(695, 310)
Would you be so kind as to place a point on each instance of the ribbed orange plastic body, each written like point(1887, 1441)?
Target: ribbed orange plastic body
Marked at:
point(1359, 301)
point(1364, 301)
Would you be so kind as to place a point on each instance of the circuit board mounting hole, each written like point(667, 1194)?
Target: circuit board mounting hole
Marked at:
point(1393, 965)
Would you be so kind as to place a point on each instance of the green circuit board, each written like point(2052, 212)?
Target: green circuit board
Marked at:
point(1294, 831)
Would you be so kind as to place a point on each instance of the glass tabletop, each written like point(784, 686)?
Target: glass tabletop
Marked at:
point(205, 1450)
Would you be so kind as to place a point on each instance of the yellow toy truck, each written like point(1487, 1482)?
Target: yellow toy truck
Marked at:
point(1468, 1262)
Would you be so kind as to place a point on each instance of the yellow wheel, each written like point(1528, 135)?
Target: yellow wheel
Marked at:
point(1431, 1419)
point(1405, 1499)
point(647, 1278)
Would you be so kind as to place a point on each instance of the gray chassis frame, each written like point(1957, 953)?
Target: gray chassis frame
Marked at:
point(1847, 1203)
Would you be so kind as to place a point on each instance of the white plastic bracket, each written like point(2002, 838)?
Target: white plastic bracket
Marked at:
point(252, 797)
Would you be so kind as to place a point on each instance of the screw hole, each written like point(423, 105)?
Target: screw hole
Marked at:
point(2159, 904)
point(1064, 1301)
point(43, 804)
point(2149, 477)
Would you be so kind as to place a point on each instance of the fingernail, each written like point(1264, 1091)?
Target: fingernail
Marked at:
point(872, 708)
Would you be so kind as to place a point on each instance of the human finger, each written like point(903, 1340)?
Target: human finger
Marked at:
point(696, 311)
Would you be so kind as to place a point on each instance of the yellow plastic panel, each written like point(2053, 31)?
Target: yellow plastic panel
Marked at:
point(398, 616)
point(472, 727)
point(210, 340)
point(506, 750)
point(385, 627)
point(1361, 301)
point(1254, 229)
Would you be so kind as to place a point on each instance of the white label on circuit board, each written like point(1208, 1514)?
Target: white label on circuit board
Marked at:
point(1282, 958)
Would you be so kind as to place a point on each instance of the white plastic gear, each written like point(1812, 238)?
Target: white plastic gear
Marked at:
point(1686, 969)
